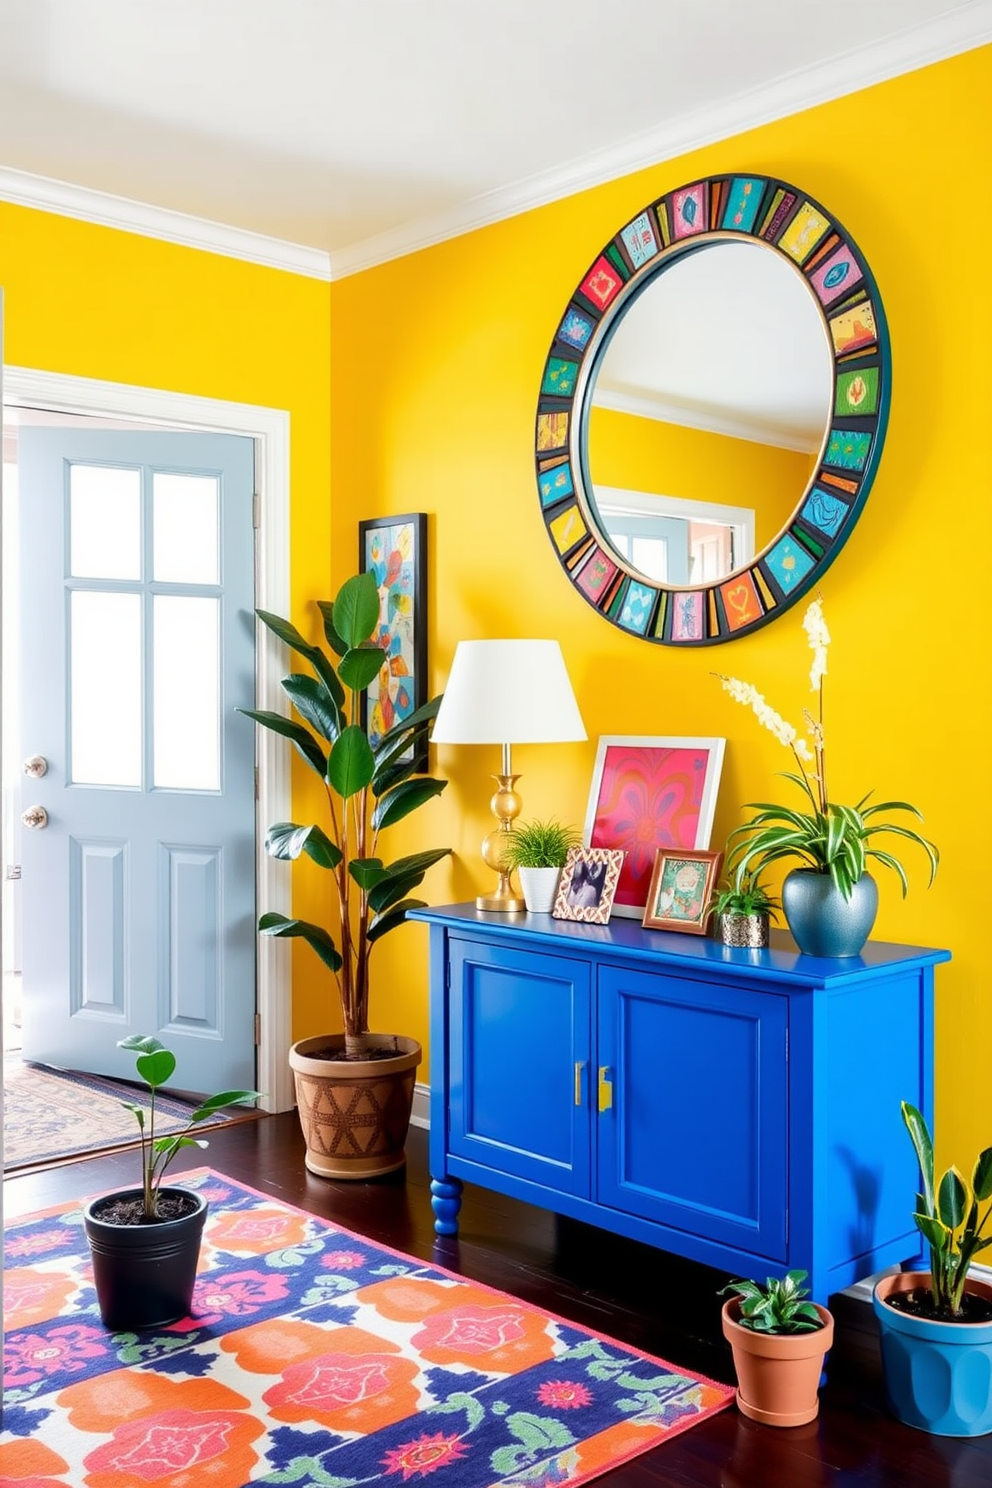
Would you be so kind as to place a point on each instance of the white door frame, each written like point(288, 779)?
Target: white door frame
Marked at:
point(269, 427)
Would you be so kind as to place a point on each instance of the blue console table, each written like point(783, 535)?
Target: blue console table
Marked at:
point(737, 1107)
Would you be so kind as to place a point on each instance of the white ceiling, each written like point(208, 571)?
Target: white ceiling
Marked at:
point(364, 127)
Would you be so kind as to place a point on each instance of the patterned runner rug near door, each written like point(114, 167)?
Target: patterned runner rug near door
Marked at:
point(50, 1113)
point(313, 1357)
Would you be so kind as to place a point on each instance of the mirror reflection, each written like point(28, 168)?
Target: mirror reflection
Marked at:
point(707, 413)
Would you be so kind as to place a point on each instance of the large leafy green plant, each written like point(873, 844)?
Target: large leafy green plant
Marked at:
point(368, 789)
point(948, 1216)
point(828, 838)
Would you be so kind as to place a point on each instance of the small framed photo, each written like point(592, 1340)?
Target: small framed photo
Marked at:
point(394, 549)
point(681, 890)
point(587, 885)
point(650, 792)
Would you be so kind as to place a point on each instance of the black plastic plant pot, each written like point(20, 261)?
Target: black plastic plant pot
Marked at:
point(144, 1273)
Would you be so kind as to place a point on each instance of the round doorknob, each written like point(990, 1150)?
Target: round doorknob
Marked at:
point(35, 816)
point(36, 765)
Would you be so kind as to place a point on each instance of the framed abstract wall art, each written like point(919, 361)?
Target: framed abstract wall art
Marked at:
point(681, 891)
point(650, 792)
point(587, 885)
point(394, 549)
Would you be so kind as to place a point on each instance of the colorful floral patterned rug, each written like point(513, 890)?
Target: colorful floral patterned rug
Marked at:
point(313, 1357)
point(51, 1113)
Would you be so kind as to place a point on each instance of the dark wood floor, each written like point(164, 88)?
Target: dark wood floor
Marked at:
point(642, 1296)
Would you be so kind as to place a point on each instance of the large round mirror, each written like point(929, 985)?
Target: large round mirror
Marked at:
point(712, 411)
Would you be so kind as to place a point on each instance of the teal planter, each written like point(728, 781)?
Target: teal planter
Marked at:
point(938, 1376)
point(822, 921)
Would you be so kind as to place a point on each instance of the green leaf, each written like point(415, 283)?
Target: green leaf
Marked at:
point(335, 642)
point(404, 798)
point(935, 1234)
point(391, 890)
point(286, 840)
point(366, 871)
point(952, 1199)
point(136, 1111)
point(361, 665)
point(890, 862)
point(314, 703)
point(141, 1043)
point(355, 614)
point(419, 862)
point(315, 936)
point(422, 715)
point(981, 1180)
point(923, 1144)
point(218, 1102)
point(314, 655)
point(301, 737)
point(156, 1068)
point(382, 924)
point(171, 1145)
point(349, 768)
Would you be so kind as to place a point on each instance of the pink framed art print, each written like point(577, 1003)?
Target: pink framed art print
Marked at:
point(649, 793)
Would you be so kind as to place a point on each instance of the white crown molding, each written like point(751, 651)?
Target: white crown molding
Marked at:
point(86, 205)
point(961, 30)
point(755, 431)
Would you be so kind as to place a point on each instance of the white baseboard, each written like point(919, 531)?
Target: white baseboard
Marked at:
point(863, 1289)
point(421, 1113)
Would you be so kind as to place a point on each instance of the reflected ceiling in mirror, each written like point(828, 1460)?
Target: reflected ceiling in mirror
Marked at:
point(712, 410)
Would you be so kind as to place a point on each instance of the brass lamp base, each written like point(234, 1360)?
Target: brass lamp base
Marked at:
point(505, 806)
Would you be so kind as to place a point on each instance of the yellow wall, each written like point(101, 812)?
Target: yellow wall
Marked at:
point(437, 359)
point(640, 454)
point(95, 302)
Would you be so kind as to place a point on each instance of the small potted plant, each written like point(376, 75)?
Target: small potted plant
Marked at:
point(779, 1341)
point(830, 899)
point(145, 1242)
point(538, 850)
point(936, 1326)
point(743, 909)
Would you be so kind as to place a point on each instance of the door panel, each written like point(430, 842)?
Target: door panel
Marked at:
point(696, 1136)
point(519, 1064)
point(138, 645)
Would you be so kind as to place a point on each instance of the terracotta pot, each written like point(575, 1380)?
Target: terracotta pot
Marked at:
point(778, 1374)
point(938, 1376)
point(355, 1113)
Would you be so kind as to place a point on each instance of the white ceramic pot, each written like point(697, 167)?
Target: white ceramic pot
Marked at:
point(539, 887)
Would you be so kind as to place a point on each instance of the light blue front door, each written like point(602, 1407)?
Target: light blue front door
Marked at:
point(138, 645)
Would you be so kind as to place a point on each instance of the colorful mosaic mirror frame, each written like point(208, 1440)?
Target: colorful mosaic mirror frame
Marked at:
point(719, 209)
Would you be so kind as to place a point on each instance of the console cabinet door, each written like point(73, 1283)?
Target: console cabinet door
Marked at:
point(695, 1136)
point(519, 1064)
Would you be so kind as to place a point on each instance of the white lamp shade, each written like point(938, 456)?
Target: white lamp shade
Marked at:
point(508, 692)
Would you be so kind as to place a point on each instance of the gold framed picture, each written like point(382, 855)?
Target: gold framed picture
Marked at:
point(681, 890)
point(587, 884)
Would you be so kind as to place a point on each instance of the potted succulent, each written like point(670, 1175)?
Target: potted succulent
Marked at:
point(743, 909)
point(830, 900)
point(778, 1341)
point(145, 1241)
point(354, 1089)
point(538, 850)
point(936, 1327)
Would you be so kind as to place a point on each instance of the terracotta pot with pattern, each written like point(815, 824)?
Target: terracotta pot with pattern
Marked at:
point(355, 1113)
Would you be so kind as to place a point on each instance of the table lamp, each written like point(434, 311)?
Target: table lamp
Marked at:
point(506, 693)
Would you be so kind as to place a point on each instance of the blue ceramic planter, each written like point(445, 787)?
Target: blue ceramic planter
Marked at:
point(938, 1376)
point(822, 921)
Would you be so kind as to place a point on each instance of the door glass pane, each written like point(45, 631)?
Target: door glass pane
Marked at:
point(105, 696)
point(104, 522)
point(186, 692)
point(185, 528)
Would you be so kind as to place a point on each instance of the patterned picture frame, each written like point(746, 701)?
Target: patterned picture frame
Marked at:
point(681, 891)
point(587, 885)
point(394, 549)
point(647, 792)
point(786, 221)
